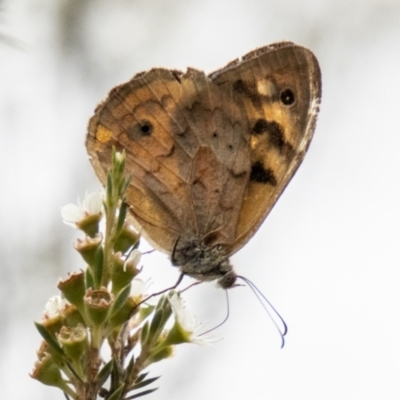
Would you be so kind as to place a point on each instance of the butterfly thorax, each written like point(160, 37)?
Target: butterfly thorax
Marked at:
point(205, 263)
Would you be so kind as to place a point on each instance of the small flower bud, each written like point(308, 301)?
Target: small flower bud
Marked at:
point(74, 342)
point(72, 316)
point(53, 324)
point(126, 305)
point(126, 239)
point(98, 304)
point(90, 224)
point(88, 247)
point(122, 272)
point(73, 288)
point(53, 318)
point(43, 349)
point(47, 372)
point(119, 157)
point(128, 310)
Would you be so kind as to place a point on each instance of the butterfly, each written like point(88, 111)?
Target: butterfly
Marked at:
point(210, 154)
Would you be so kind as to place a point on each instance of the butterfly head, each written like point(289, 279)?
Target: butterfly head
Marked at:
point(204, 263)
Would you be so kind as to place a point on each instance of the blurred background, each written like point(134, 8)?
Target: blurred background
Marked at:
point(328, 254)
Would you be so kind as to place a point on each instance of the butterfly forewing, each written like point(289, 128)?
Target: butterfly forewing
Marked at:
point(187, 146)
point(142, 129)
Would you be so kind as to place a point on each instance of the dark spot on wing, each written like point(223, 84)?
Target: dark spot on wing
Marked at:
point(274, 130)
point(287, 97)
point(260, 127)
point(146, 129)
point(239, 86)
point(261, 175)
point(249, 90)
point(139, 130)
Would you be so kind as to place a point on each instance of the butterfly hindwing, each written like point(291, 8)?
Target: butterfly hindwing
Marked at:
point(279, 87)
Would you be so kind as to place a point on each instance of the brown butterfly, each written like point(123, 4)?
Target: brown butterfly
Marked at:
point(209, 155)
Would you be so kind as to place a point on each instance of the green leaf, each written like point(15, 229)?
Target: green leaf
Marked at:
point(98, 267)
point(89, 279)
point(135, 396)
point(126, 184)
point(121, 217)
point(116, 377)
point(49, 338)
point(120, 300)
point(161, 316)
point(117, 394)
point(141, 377)
point(145, 333)
point(144, 383)
point(129, 368)
point(109, 192)
point(156, 326)
point(145, 311)
point(71, 368)
point(104, 373)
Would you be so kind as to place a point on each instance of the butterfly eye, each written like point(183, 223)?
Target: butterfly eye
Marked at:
point(287, 97)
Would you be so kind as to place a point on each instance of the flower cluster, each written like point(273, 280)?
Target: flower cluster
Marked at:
point(105, 305)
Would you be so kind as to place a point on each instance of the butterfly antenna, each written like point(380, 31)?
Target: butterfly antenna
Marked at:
point(148, 252)
point(193, 284)
point(224, 320)
point(260, 296)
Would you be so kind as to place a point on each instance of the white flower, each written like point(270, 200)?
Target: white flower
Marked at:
point(92, 204)
point(187, 322)
point(54, 306)
point(138, 289)
point(133, 259)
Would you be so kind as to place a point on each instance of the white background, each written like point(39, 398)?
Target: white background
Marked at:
point(328, 254)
